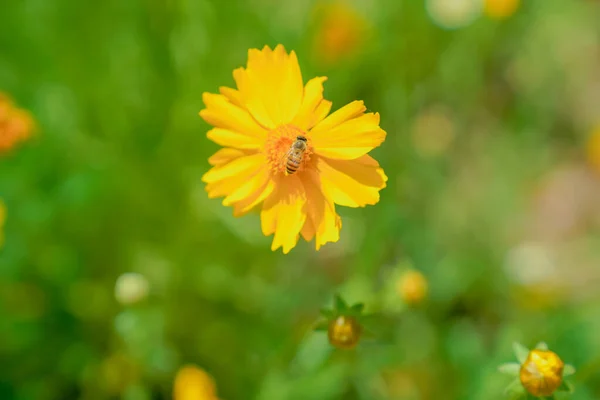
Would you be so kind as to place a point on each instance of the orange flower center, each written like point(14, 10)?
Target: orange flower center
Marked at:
point(278, 145)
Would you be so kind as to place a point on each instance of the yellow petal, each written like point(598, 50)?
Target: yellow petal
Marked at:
point(226, 155)
point(232, 95)
point(321, 211)
point(249, 187)
point(271, 85)
point(243, 206)
point(224, 179)
point(345, 113)
point(283, 213)
point(227, 138)
point(350, 139)
point(253, 103)
point(237, 166)
point(320, 113)
point(352, 183)
point(308, 230)
point(221, 113)
point(313, 95)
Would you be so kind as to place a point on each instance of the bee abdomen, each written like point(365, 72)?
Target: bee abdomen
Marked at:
point(291, 166)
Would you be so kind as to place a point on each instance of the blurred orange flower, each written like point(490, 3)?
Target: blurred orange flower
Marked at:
point(193, 383)
point(501, 9)
point(282, 150)
point(340, 32)
point(16, 125)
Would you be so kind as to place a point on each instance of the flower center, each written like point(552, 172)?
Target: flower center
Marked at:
point(278, 145)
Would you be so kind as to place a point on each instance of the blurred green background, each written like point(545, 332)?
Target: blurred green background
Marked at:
point(493, 196)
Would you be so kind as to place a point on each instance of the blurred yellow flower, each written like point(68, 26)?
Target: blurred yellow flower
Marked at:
point(193, 383)
point(2, 219)
point(433, 131)
point(501, 9)
point(542, 373)
point(344, 332)
point(593, 149)
point(16, 125)
point(131, 288)
point(340, 33)
point(412, 287)
point(453, 14)
point(281, 150)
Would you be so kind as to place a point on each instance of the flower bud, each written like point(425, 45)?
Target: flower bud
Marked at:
point(542, 372)
point(344, 332)
point(193, 383)
point(412, 287)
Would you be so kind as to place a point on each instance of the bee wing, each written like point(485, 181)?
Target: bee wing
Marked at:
point(286, 155)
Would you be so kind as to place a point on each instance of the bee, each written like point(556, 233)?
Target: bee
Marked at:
point(294, 156)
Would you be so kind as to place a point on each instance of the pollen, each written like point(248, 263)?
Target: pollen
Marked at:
point(278, 144)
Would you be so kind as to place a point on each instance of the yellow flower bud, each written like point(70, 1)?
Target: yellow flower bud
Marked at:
point(542, 373)
point(412, 287)
point(344, 332)
point(500, 9)
point(193, 383)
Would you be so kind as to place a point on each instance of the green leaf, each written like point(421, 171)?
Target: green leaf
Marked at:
point(521, 352)
point(566, 386)
point(568, 370)
point(541, 346)
point(515, 390)
point(340, 304)
point(322, 325)
point(357, 309)
point(510, 368)
point(327, 313)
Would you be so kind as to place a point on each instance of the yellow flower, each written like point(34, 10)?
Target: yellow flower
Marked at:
point(16, 125)
point(344, 332)
point(258, 123)
point(501, 9)
point(341, 32)
point(542, 373)
point(193, 383)
point(412, 287)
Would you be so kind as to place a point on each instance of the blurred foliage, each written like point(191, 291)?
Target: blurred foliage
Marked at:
point(493, 196)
